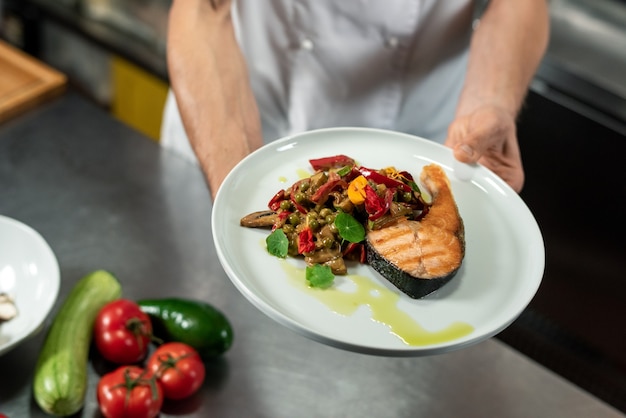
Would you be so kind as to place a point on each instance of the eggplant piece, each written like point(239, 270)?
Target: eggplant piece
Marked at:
point(260, 219)
point(331, 257)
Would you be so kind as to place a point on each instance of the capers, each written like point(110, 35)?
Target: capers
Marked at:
point(294, 219)
point(304, 186)
point(407, 196)
point(285, 205)
point(299, 197)
point(314, 224)
point(293, 245)
point(328, 242)
point(324, 212)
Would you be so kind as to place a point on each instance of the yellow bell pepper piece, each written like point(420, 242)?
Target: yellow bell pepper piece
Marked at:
point(356, 190)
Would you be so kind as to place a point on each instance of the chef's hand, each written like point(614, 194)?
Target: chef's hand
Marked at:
point(488, 136)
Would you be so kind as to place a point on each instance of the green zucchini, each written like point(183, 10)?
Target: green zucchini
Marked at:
point(60, 381)
point(192, 322)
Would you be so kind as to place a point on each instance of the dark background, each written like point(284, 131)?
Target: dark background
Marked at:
point(576, 188)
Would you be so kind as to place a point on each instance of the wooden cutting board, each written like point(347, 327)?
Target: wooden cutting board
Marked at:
point(25, 82)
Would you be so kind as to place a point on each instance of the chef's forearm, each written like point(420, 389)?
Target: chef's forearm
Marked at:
point(506, 49)
point(209, 78)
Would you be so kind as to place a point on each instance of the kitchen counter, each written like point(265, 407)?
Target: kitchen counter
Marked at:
point(104, 196)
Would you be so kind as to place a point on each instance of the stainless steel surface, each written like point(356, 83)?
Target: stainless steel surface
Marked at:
point(586, 58)
point(590, 38)
point(103, 196)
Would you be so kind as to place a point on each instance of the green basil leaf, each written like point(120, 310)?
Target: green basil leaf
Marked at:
point(319, 276)
point(277, 243)
point(349, 228)
point(415, 187)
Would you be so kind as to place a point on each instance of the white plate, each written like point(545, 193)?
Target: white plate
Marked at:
point(501, 272)
point(29, 273)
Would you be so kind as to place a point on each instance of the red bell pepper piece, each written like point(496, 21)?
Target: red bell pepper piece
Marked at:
point(292, 197)
point(407, 175)
point(378, 178)
point(326, 163)
point(424, 212)
point(305, 241)
point(359, 249)
point(333, 181)
point(274, 203)
point(352, 174)
point(375, 205)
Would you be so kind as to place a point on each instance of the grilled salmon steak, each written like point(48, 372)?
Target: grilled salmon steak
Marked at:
point(419, 257)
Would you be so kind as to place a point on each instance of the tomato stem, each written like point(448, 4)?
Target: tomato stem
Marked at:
point(130, 383)
point(167, 361)
point(139, 328)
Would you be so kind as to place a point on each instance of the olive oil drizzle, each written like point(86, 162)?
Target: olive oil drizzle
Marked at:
point(383, 306)
point(302, 173)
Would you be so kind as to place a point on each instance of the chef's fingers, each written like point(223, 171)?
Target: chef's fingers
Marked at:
point(471, 136)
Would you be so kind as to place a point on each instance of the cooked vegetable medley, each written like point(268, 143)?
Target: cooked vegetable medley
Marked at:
point(324, 217)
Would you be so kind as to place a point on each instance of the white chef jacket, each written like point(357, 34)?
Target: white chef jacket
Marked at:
point(390, 64)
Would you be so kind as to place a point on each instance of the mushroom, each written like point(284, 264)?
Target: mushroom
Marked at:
point(7, 308)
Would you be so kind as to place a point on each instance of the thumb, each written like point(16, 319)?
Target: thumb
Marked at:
point(471, 144)
point(478, 133)
point(465, 153)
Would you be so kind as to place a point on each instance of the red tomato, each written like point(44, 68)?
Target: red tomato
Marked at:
point(129, 391)
point(122, 332)
point(178, 368)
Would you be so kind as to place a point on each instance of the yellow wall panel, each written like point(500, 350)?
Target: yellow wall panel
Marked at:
point(138, 97)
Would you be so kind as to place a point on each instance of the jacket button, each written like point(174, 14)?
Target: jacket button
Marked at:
point(392, 42)
point(307, 44)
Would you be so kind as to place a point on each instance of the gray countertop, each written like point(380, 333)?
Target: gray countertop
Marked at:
point(104, 196)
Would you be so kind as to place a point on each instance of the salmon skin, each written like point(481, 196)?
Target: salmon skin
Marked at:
point(419, 257)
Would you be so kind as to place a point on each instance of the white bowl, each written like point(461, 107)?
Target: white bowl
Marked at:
point(29, 273)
